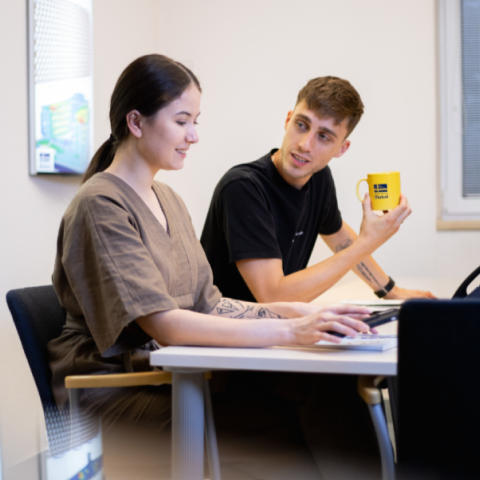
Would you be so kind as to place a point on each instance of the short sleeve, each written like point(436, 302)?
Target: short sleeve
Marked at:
point(109, 270)
point(247, 221)
point(331, 218)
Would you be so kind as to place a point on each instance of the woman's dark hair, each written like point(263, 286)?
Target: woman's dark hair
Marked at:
point(148, 84)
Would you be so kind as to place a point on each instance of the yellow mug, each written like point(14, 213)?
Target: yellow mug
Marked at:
point(384, 190)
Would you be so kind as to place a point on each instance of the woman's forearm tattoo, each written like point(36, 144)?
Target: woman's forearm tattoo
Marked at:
point(362, 268)
point(236, 309)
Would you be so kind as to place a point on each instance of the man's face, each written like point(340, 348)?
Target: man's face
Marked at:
point(310, 142)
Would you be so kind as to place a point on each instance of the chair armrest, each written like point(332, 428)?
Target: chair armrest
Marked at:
point(118, 380)
point(368, 390)
point(121, 379)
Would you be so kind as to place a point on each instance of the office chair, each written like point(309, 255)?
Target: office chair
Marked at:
point(438, 389)
point(39, 318)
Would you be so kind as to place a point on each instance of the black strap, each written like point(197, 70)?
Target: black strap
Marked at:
point(386, 289)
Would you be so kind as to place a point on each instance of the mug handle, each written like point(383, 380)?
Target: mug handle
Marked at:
point(358, 187)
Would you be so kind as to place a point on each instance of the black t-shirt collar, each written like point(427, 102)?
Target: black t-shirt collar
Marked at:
point(281, 183)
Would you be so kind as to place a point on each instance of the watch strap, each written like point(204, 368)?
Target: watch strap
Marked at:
point(386, 289)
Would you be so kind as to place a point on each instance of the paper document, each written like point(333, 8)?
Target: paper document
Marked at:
point(363, 342)
point(378, 305)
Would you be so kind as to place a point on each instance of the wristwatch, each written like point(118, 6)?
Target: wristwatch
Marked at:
point(386, 289)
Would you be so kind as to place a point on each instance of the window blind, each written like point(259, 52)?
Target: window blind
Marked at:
point(470, 37)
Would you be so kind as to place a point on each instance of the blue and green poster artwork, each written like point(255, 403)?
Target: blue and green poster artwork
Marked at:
point(64, 144)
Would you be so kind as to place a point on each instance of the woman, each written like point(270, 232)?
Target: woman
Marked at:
point(130, 271)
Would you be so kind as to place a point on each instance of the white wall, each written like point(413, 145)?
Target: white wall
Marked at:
point(252, 58)
point(31, 207)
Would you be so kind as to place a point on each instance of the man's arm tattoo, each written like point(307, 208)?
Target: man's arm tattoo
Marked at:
point(362, 268)
point(237, 309)
point(343, 246)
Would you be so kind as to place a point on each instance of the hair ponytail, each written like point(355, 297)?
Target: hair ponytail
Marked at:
point(101, 160)
point(148, 84)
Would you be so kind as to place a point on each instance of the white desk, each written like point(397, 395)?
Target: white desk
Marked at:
point(188, 364)
point(285, 359)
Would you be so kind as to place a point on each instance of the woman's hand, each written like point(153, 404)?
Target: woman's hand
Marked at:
point(303, 309)
point(345, 319)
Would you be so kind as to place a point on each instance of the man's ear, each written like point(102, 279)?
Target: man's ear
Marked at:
point(289, 117)
point(345, 146)
point(135, 123)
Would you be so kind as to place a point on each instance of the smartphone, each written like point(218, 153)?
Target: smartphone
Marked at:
point(376, 319)
point(380, 318)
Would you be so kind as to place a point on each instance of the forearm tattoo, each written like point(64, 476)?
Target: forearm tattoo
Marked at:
point(228, 307)
point(362, 268)
point(343, 246)
point(367, 274)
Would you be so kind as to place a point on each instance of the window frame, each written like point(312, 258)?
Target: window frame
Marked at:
point(455, 211)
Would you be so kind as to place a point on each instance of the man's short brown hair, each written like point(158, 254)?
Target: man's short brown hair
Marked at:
point(335, 98)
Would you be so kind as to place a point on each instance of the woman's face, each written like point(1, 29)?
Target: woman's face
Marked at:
point(167, 135)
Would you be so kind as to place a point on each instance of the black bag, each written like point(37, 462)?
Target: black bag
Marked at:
point(462, 289)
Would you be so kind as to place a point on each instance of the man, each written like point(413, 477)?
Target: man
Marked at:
point(265, 216)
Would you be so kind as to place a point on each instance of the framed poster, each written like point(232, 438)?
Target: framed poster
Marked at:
point(60, 86)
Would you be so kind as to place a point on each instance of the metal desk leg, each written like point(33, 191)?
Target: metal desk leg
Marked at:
point(386, 450)
point(187, 426)
point(211, 436)
point(372, 397)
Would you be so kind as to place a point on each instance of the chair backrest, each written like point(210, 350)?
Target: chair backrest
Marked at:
point(439, 389)
point(39, 318)
point(462, 289)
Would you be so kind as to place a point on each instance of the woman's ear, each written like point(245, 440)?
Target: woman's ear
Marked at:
point(135, 123)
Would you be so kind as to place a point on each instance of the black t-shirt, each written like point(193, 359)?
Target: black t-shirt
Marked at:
point(255, 213)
